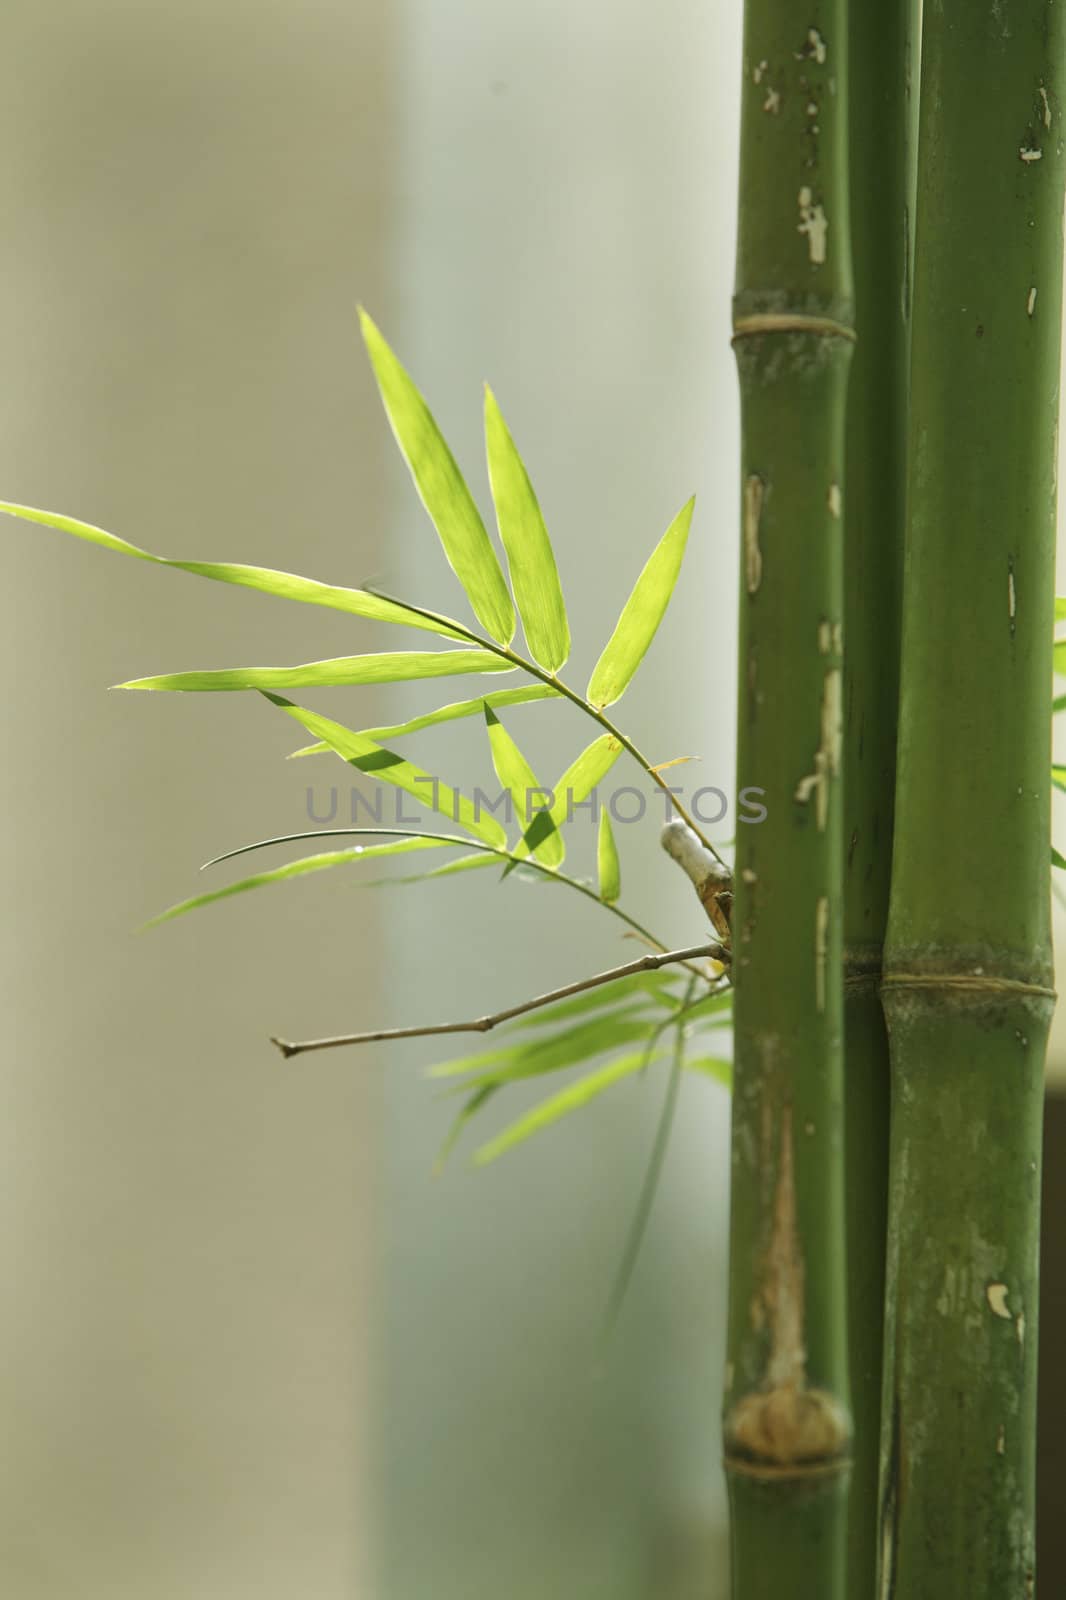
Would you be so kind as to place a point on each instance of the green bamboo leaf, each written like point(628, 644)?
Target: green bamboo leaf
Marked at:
point(713, 1005)
point(442, 490)
point(468, 1109)
point(610, 873)
point(638, 991)
point(1060, 608)
point(1057, 860)
point(581, 777)
point(716, 1067)
point(520, 781)
point(533, 1057)
point(1058, 704)
point(296, 869)
point(641, 614)
point(463, 864)
point(559, 1105)
point(451, 713)
point(283, 585)
point(1058, 777)
point(534, 575)
point(394, 666)
point(1060, 657)
point(373, 758)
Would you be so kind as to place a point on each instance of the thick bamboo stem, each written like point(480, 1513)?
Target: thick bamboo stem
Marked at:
point(882, 127)
point(786, 1421)
point(968, 971)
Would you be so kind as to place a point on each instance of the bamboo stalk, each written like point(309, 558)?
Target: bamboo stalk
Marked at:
point(968, 968)
point(786, 1419)
point(882, 127)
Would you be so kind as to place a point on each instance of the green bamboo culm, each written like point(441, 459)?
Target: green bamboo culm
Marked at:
point(786, 1421)
point(882, 124)
point(968, 968)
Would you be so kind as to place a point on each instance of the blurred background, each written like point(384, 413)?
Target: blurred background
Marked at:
point(254, 1347)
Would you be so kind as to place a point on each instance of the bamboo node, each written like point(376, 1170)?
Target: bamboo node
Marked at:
point(761, 322)
point(787, 1427)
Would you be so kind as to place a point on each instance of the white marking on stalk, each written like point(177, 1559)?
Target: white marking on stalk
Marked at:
point(836, 500)
point(772, 103)
point(1030, 304)
point(1019, 1327)
point(821, 949)
point(757, 72)
point(838, 638)
point(749, 876)
point(812, 108)
point(996, 1294)
point(827, 756)
point(1001, 1440)
point(808, 1128)
point(782, 1293)
point(1029, 154)
point(825, 638)
point(1047, 106)
point(814, 224)
point(1012, 598)
point(815, 49)
point(754, 494)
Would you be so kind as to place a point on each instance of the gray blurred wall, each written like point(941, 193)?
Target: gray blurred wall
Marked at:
point(254, 1348)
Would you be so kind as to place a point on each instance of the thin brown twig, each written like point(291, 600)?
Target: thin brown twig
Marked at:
point(648, 963)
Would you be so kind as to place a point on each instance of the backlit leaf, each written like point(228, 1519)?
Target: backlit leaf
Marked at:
point(296, 869)
point(451, 713)
point(520, 781)
point(641, 615)
point(534, 575)
point(283, 585)
point(610, 874)
point(442, 490)
point(374, 759)
point(395, 666)
point(559, 1105)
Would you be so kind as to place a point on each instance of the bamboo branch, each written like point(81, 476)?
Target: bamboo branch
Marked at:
point(649, 963)
point(525, 665)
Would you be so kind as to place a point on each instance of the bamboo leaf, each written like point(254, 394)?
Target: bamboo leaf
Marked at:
point(296, 869)
point(468, 1109)
point(450, 713)
point(1060, 657)
point(610, 874)
point(370, 757)
point(1058, 704)
point(1057, 860)
point(463, 864)
point(716, 1067)
point(442, 489)
point(713, 1005)
point(519, 779)
point(559, 1105)
point(396, 666)
point(582, 776)
point(532, 1057)
point(641, 615)
point(1058, 777)
point(1060, 608)
point(534, 575)
point(639, 990)
point(283, 585)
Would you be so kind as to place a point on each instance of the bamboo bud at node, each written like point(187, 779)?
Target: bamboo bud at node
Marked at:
point(712, 881)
